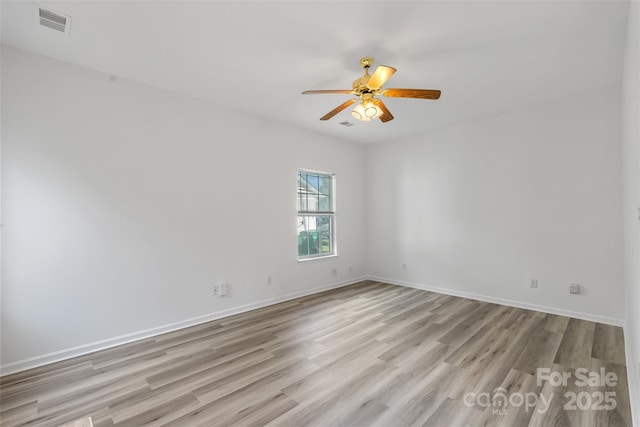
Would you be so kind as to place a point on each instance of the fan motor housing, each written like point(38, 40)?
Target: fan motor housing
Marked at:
point(360, 85)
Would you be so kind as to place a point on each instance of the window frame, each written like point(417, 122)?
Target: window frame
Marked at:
point(330, 213)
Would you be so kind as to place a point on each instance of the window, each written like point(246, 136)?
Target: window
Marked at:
point(316, 216)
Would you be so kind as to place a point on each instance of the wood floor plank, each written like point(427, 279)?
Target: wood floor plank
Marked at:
point(556, 323)
point(210, 362)
point(576, 345)
point(473, 346)
point(608, 344)
point(92, 398)
point(513, 412)
point(470, 325)
point(161, 413)
point(22, 390)
point(453, 310)
point(101, 418)
point(451, 413)
point(230, 383)
point(397, 332)
point(244, 401)
point(418, 399)
point(339, 371)
point(262, 412)
point(406, 311)
point(355, 401)
point(320, 398)
point(556, 415)
point(621, 415)
point(491, 368)
point(539, 351)
point(366, 354)
point(19, 414)
point(337, 350)
point(363, 414)
point(424, 339)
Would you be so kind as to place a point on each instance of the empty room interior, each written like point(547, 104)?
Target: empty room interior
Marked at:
point(320, 213)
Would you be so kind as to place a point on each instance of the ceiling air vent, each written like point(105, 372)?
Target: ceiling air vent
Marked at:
point(55, 21)
point(347, 124)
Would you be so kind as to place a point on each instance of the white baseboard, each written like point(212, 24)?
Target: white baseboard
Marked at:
point(544, 309)
point(632, 380)
point(57, 356)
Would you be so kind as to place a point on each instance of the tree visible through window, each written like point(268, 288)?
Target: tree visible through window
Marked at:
point(316, 216)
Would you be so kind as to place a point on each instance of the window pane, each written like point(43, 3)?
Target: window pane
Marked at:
point(314, 235)
point(324, 186)
point(314, 244)
point(314, 192)
point(307, 236)
point(312, 183)
point(325, 243)
point(312, 202)
point(301, 191)
point(323, 223)
point(303, 245)
point(324, 203)
point(303, 236)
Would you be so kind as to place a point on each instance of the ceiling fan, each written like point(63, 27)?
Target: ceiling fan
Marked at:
point(367, 87)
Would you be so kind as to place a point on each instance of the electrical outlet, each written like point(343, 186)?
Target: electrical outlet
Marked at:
point(574, 288)
point(404, 267)
point(222, 288)
point(334, 271)
point(268, 280)
point(351, 268)
point(533, 283)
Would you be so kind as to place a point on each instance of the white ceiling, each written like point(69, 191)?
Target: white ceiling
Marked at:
point(487, 57)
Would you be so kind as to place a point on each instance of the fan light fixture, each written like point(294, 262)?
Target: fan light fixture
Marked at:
point(366, 88)
point(366, 110)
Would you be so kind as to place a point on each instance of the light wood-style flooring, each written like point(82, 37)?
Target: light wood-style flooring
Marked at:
point(369, 354)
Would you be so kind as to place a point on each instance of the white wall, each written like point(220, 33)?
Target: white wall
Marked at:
point(631, 167)
point(482, 207)
point(124, 204)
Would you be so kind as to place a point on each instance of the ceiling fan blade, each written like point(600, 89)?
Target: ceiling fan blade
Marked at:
point(338, 109)
point(380, 76)
point(412, 93)
point(386, 114)
point(315, 92)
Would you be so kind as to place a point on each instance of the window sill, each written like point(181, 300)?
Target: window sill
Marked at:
point(318, 258)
